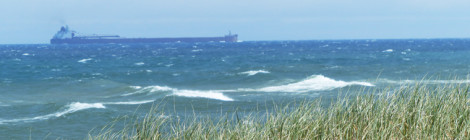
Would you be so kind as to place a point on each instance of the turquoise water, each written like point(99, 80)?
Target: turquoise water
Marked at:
point(64, 91)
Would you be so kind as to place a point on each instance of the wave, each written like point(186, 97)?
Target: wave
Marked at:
point(312, 83)
point(254, 72)
point(184, 93)
point(73, 107)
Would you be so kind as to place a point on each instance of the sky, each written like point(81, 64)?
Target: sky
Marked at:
point(36, 21)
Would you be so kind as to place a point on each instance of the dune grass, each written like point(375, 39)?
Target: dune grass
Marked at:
point(411, 112)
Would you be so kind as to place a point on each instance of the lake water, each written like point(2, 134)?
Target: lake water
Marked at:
point(64, 91)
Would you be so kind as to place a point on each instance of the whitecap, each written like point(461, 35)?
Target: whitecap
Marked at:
point(312, 83)
point(129, 102)
point(25, 54)
point(159, 88)
point(184, 93)
point(148, 89)
point(197, 50)
point(96, 74)
point(388, 50)
point(76, 106)
point(333, 67)
point(73, 107)
point(139, 63)
point(135, 87)
point(202, 94)
point(84, 60)
point(254, 72)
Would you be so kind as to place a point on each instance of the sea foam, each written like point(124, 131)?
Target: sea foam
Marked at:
point(312, 83)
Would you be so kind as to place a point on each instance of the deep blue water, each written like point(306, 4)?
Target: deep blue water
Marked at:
point(51, 91)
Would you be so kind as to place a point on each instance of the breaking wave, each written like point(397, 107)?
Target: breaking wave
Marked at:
point(129, 102)
point(148, 89)
point(202, 94)
point(184, 93)
point(313, 83)
point(73, 107)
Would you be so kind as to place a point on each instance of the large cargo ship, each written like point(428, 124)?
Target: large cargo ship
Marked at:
point(67, 36)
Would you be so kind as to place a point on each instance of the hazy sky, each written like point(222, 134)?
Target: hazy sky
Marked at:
point(36, 21)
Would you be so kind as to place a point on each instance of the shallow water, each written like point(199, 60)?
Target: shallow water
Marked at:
point(50, 91)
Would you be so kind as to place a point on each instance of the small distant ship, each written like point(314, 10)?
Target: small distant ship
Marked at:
point(67, 36)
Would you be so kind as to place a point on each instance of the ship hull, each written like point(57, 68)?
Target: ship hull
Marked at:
point(228, 38)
